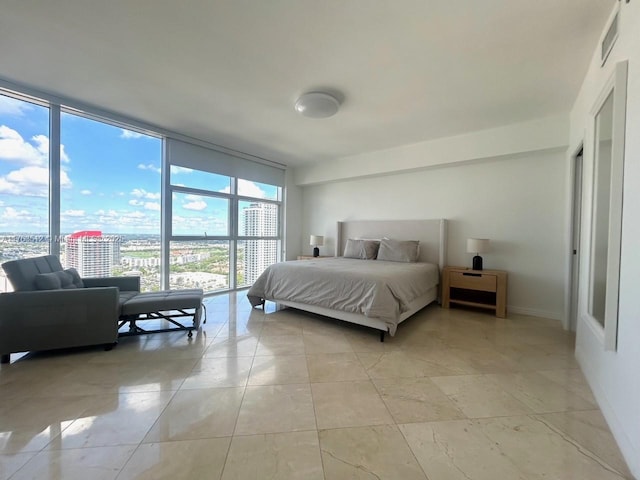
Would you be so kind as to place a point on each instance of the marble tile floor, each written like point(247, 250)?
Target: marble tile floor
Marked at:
point(281, 394)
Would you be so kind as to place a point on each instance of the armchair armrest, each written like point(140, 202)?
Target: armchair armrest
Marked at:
point(125, 284)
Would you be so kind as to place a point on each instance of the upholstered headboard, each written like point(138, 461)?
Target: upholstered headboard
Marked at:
point(432, 235)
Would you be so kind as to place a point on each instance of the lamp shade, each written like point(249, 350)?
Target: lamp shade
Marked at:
point(477, 245)
point(316, 240)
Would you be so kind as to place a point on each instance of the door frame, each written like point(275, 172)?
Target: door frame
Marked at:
point(576, 225)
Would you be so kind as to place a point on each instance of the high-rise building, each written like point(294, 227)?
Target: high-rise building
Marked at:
point(260, 220)
point(92, 254)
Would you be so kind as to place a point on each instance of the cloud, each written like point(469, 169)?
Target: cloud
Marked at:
point(198, 225)
point(195, 205)
point(177, 170)
point(149, 166)
point(142, 193)
point(73, 213)
point(130, 134)
point(153, 206)
point(14, 219)
point(11, 213)
point(13, 107)
point(247, 189)
point(123, 220)
point(14, 148)
point(133, 215)
point(85, 192)
point(250, 189)
point(30, 182)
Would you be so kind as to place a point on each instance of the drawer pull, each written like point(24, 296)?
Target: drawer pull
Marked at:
point(472, 274)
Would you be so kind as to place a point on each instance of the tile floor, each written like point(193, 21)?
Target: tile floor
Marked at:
point(284, 395)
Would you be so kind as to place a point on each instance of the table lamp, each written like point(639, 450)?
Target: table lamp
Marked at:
point(477, 246)
point(316, 241)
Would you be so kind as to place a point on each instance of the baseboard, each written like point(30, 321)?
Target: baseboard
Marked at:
point(630, 454)
point(534, 312)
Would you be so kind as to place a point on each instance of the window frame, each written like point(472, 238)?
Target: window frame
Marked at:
point(233, 238)
point(616, 86)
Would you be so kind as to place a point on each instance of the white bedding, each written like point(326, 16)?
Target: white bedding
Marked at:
point(374, 288)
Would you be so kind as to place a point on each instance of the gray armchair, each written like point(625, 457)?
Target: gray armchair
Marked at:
point(54, 308)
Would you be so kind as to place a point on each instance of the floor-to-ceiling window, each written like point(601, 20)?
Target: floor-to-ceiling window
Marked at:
point(258, 229)
point(218, 222)
point(200, 231)
point(24, 181)
point(110, 208)
point(225, 217)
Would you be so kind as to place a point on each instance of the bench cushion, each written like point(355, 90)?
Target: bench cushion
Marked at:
point(124, 297)
point(164, 300)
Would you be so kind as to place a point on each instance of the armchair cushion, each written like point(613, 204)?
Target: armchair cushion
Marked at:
point(65, 279)
point(76, 280)
point(48, 281)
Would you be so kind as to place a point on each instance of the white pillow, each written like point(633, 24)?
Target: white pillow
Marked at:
point(399, 250)
point(362, 249)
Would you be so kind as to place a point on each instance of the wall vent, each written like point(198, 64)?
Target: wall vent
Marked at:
point(609, 39)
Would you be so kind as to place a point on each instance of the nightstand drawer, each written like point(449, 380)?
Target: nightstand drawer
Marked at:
point(473, 281)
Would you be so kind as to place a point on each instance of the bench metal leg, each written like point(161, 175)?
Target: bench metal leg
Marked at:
point(171, 316)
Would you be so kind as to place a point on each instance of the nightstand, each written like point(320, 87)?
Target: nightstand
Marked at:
point(475, 288)
point(311, 257)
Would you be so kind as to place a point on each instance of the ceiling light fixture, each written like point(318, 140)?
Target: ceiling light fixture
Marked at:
point(317, 105)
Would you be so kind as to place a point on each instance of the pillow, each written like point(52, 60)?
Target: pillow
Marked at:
point(399, 250)
point(76, 280)
point(362, 249)
point(66, 279)
point(48, 281)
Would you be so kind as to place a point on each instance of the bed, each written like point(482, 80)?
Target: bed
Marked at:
point(375, 293)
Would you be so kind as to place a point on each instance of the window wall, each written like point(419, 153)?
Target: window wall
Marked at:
point(24, 181)
point(224, 230)
point(110, 210)
point(121, 200)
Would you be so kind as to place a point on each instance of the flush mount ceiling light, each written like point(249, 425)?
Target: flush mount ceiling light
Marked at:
point(317, 105)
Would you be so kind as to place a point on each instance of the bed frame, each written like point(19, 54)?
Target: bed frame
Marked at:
point(432, 235)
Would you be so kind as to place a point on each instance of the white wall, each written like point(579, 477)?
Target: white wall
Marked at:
point(292, 217)
point(523, 137)
point(615, 376)
point(516, 201)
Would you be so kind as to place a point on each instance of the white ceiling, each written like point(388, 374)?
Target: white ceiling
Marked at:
point(229, 72)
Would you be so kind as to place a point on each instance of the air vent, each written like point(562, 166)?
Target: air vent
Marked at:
point(609, 39)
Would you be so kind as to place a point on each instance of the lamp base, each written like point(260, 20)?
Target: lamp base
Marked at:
point(477, 262)
point(316, 252)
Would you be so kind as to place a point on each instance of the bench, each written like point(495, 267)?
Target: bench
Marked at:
point(174, 306)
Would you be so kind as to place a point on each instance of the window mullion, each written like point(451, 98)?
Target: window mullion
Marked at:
point(54, 180)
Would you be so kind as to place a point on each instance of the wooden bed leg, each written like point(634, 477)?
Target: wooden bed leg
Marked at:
point(382, 335)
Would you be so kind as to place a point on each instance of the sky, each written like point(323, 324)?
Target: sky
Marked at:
point(110, 179)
